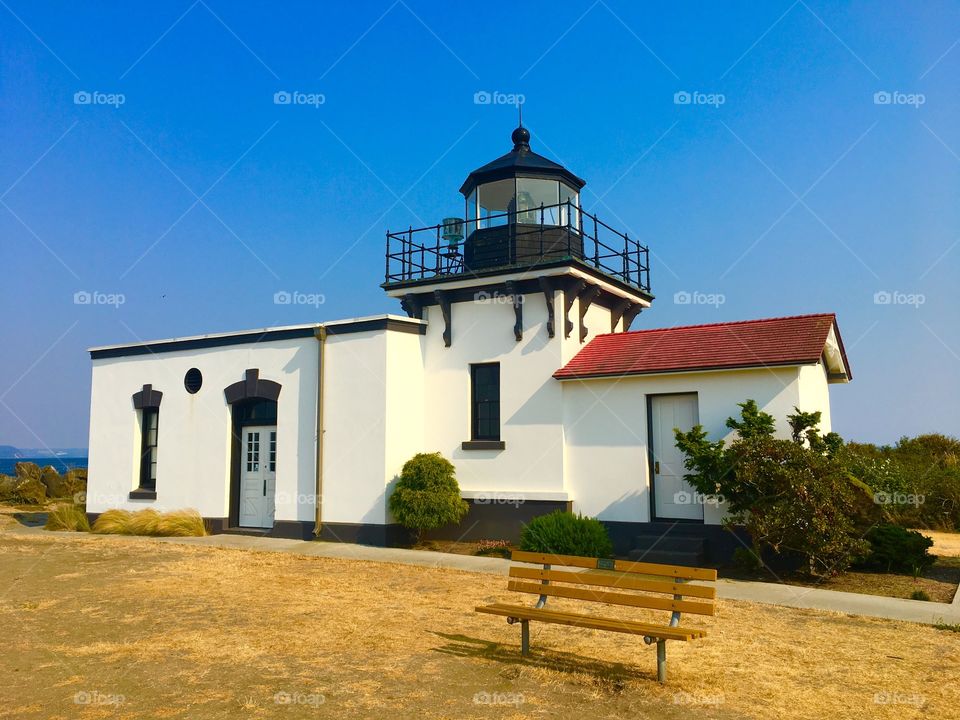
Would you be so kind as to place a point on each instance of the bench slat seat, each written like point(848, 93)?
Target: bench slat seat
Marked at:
point(642, 601)
point(610, 582)
point(525, 612)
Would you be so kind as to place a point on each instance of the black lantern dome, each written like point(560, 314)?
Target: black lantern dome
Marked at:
point(520, 162)
point(521, 209)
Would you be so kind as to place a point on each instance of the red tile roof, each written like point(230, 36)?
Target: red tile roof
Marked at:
point(796, 340)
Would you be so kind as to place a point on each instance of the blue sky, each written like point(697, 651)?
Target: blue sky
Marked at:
point(816, 165)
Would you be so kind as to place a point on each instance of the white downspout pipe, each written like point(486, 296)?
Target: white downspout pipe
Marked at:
point(321, 335)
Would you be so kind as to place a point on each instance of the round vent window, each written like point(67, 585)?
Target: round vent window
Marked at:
point(192, 380)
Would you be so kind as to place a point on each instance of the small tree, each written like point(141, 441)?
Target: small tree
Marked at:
point(791, 495)
point(427, 495)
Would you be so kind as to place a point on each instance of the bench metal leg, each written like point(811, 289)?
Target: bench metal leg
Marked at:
point(524, 637)
point(661, 661)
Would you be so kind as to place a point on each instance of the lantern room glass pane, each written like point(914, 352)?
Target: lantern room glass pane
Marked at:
point(570, 198)
point(471, 215)
point(534, 193)
point(496, 199)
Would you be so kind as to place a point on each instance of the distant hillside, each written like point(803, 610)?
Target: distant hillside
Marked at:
point(8, 452)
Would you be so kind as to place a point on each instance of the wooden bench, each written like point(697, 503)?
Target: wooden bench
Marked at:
point(605, 579)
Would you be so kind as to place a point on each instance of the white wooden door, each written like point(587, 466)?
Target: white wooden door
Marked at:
point(673, 497)
point(258, 476)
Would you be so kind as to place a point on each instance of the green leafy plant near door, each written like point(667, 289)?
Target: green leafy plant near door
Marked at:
point(427, 495)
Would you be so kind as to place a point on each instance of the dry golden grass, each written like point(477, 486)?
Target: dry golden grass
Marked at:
point(944, 543)
point(176, 523)
point(255, 633)
point(67, 516)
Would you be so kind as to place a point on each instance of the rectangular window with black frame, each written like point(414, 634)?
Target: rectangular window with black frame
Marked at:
point(485, 401)
point(148, 448)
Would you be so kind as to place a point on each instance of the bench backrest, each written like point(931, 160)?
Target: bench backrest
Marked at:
point(565, 575)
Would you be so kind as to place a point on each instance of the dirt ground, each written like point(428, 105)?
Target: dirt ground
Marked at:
point(102, 627)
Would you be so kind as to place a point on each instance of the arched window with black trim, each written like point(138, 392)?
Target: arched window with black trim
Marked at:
point(147, 402)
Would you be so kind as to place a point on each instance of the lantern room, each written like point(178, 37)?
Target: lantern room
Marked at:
point(520, 209)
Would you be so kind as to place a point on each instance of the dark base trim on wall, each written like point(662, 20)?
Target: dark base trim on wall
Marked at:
point(719, 543)
point(392, 535)
point(493, 519)
point(286, 529)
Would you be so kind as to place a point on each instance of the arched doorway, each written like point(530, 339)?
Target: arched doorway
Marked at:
point(253, 466)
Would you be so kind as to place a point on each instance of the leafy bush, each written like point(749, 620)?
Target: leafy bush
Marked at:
point(563, 533)
point(893, 548)
point(177, 523)
point(67, 516)
point(918, 479)
point(427, 495)
point(792, 496)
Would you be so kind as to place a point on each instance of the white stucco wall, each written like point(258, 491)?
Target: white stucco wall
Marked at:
point(815, 393)
point(373, 420)
point(605, 422)
point(530, 400)
point(193, 447)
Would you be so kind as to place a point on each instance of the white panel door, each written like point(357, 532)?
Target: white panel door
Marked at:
point(673, 497)
point(258, 476)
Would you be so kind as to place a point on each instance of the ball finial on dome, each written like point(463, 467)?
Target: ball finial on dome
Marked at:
point(521, 138)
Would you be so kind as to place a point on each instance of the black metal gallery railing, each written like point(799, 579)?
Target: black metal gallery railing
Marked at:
point(523, 238)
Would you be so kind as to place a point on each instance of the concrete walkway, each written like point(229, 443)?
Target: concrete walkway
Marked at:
point(759, 592)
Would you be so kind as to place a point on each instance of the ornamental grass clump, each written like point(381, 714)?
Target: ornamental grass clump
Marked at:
point(177, 523)
point(67, 516)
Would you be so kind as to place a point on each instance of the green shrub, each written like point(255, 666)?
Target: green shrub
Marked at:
point(427, 495)
point(794, 497)
point(67, 516)
point(563, 533)
point(893, 548)
point(919, 595)
point(746, 559)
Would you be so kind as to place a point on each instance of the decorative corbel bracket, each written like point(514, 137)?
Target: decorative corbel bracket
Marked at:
point(443, 300)
point(517, 297)
point(570, 293)
point(629, 314)
point(548, 293)
point(412, 306)
point(587, 296)
point(617, 311)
